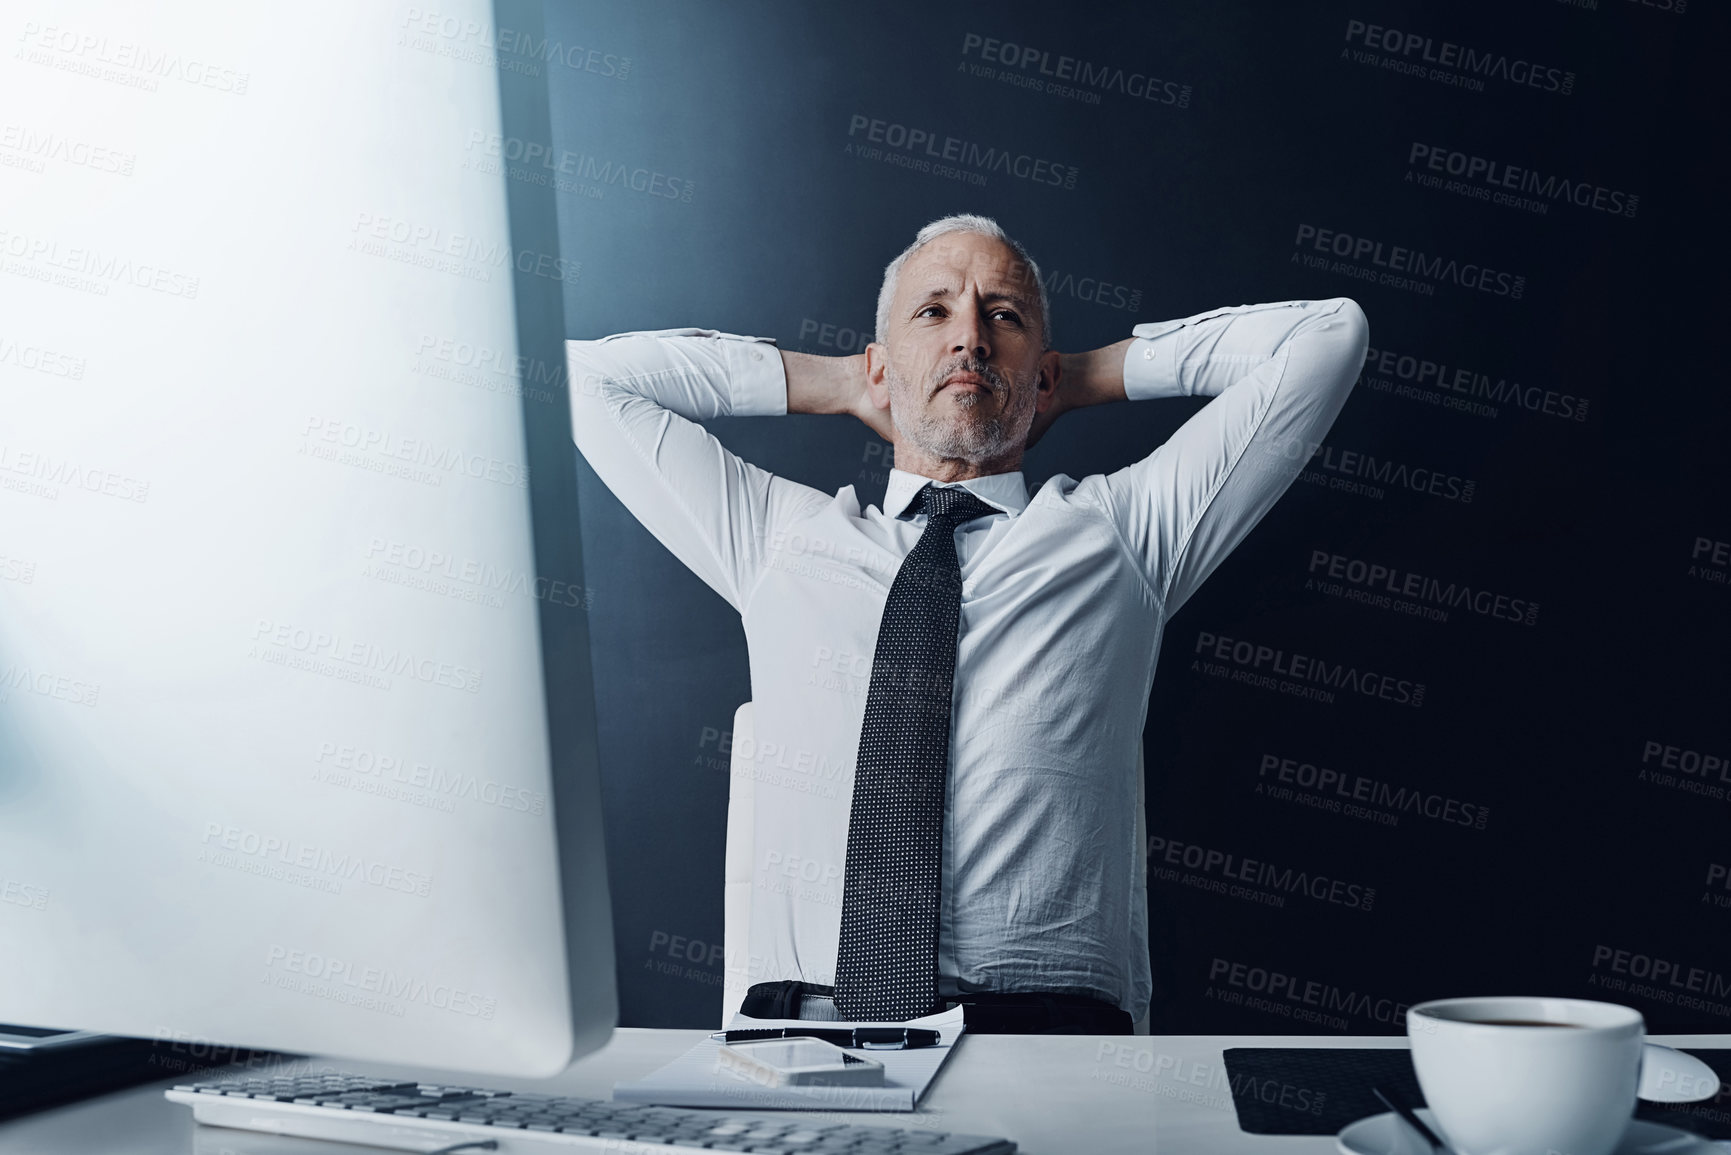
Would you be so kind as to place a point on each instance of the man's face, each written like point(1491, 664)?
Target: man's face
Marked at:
point(964, 342)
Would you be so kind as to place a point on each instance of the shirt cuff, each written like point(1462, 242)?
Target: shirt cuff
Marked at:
point(1151, 362)
point(756, 379)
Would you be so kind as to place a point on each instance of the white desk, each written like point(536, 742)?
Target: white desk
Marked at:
point(1052, 1095)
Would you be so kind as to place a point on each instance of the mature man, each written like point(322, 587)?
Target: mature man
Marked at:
point(985, 849)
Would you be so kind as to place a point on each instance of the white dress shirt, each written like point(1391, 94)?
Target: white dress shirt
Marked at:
point(1064, 597)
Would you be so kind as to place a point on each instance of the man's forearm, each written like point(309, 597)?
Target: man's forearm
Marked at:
point(833, 385)
point(1094, 377)
point(818, 384)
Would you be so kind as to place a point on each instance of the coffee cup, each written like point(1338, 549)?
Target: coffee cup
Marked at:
point(1540, 1076)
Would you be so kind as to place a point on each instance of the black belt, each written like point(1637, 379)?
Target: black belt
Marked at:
point(985, 1013)
point(780, 1000)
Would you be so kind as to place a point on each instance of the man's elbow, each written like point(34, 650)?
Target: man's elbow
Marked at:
point(1352, 318)
point(591, 378)
point(1348, 330)
point(583, 375)
point(586, 384)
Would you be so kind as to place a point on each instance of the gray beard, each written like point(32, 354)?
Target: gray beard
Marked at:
point(972, 440)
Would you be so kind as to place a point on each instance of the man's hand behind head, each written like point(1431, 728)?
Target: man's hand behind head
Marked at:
point(1092, 378)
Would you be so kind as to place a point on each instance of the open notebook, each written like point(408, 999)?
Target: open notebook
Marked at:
point(696, 1078)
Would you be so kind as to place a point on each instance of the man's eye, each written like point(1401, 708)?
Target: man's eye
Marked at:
point(928, 309)
point(1009, 313)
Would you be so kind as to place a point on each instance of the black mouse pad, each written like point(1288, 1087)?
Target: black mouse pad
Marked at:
point(1317, 1091)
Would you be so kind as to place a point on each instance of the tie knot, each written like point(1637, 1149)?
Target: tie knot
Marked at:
point(952, 504)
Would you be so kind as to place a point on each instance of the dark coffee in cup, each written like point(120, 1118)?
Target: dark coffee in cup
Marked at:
point(1519, 1023)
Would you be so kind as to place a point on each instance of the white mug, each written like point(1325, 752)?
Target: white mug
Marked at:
point(1566, 1087)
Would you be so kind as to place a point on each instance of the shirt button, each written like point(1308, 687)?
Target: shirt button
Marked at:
point(757, 354)
point(1147, 354)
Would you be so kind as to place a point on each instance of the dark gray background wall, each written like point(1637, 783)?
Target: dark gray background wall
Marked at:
point(1553, 816)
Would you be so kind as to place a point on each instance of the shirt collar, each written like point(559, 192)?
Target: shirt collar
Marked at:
point(1005, 491)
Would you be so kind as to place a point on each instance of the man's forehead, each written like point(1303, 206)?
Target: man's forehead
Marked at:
point(938, 266)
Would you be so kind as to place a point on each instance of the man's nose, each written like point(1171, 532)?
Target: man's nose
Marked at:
point(970, 336)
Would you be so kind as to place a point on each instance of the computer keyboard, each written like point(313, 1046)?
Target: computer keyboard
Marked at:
point(431, 1117)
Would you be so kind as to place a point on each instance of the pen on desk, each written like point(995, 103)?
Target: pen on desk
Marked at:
point(859, 1038)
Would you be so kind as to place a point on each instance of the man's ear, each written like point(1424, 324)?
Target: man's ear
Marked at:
point(877, 384)
point(1046, 391)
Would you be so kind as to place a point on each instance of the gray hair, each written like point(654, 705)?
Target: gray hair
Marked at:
point(960, 223)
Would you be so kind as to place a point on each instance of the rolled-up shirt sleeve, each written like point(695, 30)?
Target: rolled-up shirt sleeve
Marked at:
point(636, 399)
point(1278, 375)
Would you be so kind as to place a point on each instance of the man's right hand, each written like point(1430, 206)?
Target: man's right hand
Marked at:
point(833, 385)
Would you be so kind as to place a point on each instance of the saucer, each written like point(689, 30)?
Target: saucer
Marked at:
point(1387, 1134)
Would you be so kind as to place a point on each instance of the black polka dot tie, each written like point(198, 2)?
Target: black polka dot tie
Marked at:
point(887, 963)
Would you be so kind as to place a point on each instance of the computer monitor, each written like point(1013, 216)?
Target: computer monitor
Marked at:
point(274, 750)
